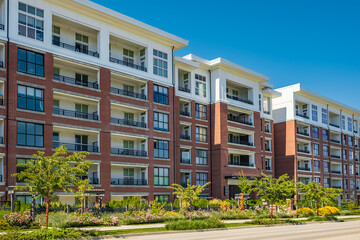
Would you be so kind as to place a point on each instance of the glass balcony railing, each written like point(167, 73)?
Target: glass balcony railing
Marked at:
point(124, 92)
point(127, 64)
point(74, 81)
point(128, 181)
point(127, 122)
point(78, 146)
point(128, 152)
point(76, 114)
point(80, 49)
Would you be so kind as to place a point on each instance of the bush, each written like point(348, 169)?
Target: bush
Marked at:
point(200, 203)
point(195, 224)
point(345, 212)
point(47, 234)
point(355, 212)
point(327, 210)
point(305, 212)
point(322, 218)
point(18, 219)
point(269, 222)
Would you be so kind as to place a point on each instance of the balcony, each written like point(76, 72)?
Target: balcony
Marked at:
point(75, 139)
point(302, 115)
point(129, 175)
point(185, 131)
point(185, 137)
point(336, 171)
point(128, 122)
point(128, 145)
point(126, 115)
point(238, 92)
point(75, 37)
point(334, 119)
point(335, 141)
point(185, 108)
point(184, 113)
point(303, 133)
point(304, 168)
point(92, 174)
point(128, 152)
point(303, 151)
point(241, 160)
point(335, 156)
point(184, 89)
point(128, 87)
point(1, 64)
point(239, 117)
point(127, 64)
point(334, 125)
point(76, 114)
point(75, 74)
point(2, 27)
point(241, 142)
point(78, 146)
point(128, 54)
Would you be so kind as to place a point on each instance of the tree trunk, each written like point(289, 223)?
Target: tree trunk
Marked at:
point(317, 208)
point(47, 212)
point(271, 212)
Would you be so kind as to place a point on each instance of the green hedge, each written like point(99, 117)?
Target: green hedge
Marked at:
point(195, 224)
point(47, 234)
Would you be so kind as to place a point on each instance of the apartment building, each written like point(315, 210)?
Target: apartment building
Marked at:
point(317, 139)
point(79, 74)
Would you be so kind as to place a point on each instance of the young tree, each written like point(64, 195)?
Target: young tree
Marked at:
point(246, 186)
point(275, 191)
point(314, 192)
point(46, 175)
point(188, 194)
point(82, 187)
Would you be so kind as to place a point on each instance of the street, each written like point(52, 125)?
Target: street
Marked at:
point(317, 231)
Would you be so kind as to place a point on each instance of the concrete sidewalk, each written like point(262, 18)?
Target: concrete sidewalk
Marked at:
point(161, 225)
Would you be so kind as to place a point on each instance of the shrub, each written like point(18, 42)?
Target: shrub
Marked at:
point(355, 212)
point(225, 206)
point(195, 224)
point(269, 222)
point(215, 202)
point(305, 212)
point(322, 218)
point(200, 203)
point(327, 210)
point(18, 219)
point(47, 234)
point(345, 212)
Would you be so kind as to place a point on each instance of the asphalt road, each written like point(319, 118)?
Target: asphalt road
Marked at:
point(317, 231)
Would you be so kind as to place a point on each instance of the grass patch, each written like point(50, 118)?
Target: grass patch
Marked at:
point(322, 218)
point(195, 224)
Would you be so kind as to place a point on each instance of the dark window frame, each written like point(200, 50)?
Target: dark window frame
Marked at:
point(159, 147)
point(28, 99)
point(24, 62)
point(26, 135)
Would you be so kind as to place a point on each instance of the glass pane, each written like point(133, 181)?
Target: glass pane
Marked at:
point(39, 13)
point(30, 140)
point(39, 59)
point(30, 128)
point(22, 18)
point(21, 139)
point(39, 129)
point(21, 127)
point(31, 10)
point(22, 7)
point(30, 68)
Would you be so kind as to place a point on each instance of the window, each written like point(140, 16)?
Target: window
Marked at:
point(351, 169)
point(161, 94)
point(200, 111)
point(142, 57)
point(30, 98)
point(161, 176)
point(161, 149)
point(31, 22)
point(30, 134)
point(316, 166)
point(201, 157)
point(344, 139)
point(268, 164)
point(317, 179)
point(316, 149)
point(81, 79)
point(20, 168)
point(350, 141)
point(350, 124)
point(160, 63)
point(326, 167)
point(326, 151)
point(30, 62)
point(161, 121)
point(260, 102)
point(324, 116)
point(351, 155)
point(128, 56)
point(327, 182)
point(128, 173)
point(201, 178)
point(344, 154)
point(343, 124)
point(128, 144)
point(81, 43)
point(201, 134)
point(56, 35)
point(200, 85)
point(314, 113)
point(315, 132)
point(162, 198)
point(325, 135)
point(351, 184)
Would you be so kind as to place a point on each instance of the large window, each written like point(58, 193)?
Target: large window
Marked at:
point(201, 157)
point(162, 198)
point(350, 124)
point(161, 121)
point(326, 167)
point(30, 62)
point(343, 122)
point(200, 85)
point(201, 178)
point(160, 63)
point(31, 22)
point(316, 149)
point(30, 134)
point(161, 95)
point(315, 132)
point(201, 134)
point(326, 151)
point(324, 116)
point(30, 98)
point(161, 149)
point(316, 166)
point(314, 113)
point(161, 176)
point(325, 135)
point(200, 111)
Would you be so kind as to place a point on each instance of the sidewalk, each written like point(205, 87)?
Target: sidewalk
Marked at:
point(161, 225)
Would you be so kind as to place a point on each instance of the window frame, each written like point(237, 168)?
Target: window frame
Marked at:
point(28, 99)
point(201, 157)
point(38, 67)
point(158, 122)
point(161, 94)
point(164, 176)
point(26, 134)
point(160, 63)
point(160, 147)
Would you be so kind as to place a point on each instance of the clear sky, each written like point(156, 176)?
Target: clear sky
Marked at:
point(314, 42)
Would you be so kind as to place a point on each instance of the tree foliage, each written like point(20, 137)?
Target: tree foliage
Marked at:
point(315, 193)
point(188, 194)
point(46, 175)
point(275, 190)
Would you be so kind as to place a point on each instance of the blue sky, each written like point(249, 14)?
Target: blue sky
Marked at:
point(312, 42)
